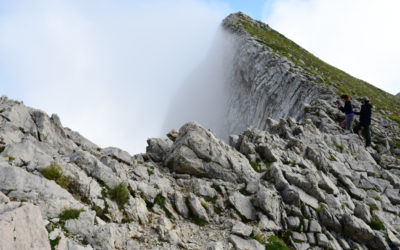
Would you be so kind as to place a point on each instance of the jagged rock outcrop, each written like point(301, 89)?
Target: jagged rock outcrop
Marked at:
point(300, 183)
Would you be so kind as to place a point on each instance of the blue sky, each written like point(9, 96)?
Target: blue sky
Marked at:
point(254, 8)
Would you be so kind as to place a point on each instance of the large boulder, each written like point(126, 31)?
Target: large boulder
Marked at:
point(21, 227)
point(198, 152)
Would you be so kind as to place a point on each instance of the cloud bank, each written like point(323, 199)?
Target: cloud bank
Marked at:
point(108, 68)
point(357, 36)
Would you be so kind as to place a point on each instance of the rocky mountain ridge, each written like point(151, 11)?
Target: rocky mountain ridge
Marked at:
point(282, 183)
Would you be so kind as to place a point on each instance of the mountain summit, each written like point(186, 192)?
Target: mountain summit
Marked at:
point(288, 178)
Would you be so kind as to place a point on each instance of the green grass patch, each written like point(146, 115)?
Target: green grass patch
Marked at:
point(376, 223)
point(2, 149)
point(70, 214)
point(394, 118)
point(331, 76)
point(275, 243)
point(120, 194)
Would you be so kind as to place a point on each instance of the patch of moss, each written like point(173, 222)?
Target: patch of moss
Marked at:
point(120, 194)
point(150, 172)
point(22, 130)
point(2, 149)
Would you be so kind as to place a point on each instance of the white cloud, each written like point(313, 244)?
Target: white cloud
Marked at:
point(359, 36)
point(108, 68)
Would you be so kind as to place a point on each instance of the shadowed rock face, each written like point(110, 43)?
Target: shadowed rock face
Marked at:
point(303, 180)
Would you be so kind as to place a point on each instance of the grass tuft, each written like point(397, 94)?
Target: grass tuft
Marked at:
point(53, 172)
point(120, 194)
point(70, 214)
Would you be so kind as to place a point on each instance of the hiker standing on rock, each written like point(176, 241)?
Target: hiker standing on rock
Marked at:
point(348, 110)
point(365, 120)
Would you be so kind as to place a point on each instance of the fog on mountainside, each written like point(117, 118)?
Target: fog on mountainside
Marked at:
point(204, 94)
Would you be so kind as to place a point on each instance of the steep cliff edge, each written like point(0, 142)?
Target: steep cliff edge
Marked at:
point(274, 77)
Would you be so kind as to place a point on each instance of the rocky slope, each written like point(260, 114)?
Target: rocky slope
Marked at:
point(291, 184)
point(283, 183)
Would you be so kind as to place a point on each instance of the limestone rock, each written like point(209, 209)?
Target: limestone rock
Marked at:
point(21, 227)
point(243, 205)
point(240, 243)
point(198, 152)
point(270, 203)
point(196, 207)
point(241, 229)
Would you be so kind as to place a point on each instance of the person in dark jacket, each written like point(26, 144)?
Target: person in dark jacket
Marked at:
point(365, 120)
point(348, 110)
